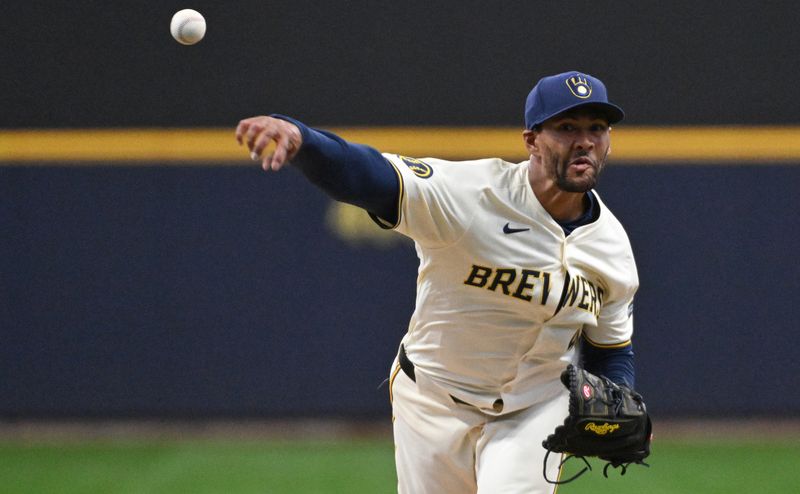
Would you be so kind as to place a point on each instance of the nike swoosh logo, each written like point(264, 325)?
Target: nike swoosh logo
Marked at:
point(507, 229)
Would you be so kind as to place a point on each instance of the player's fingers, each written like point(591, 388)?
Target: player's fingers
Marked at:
point(257, 127)
point(252, 133)
point(240, 130)
point(277, 160)
point(262, 141)
point(266, 163)
point(243, 127)
point(281, 151)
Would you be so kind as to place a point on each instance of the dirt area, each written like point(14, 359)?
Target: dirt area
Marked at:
point(82, 430)
point(79, 430)
point(783, 428)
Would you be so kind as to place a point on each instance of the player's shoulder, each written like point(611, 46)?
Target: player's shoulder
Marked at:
point(613, 250)
point(609, 219)
point(612, 229)
point(455, 173)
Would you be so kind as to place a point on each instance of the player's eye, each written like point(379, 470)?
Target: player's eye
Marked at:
point(566, 127)
point(599, 127)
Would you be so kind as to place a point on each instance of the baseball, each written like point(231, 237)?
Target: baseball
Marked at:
point(187, 27)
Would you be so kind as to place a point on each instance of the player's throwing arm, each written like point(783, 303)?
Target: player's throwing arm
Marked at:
point(259, 132)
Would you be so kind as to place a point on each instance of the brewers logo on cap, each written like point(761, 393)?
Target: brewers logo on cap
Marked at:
point(418, 167)
point(579, 86)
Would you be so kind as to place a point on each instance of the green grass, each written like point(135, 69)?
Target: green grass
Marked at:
point(701, 467)
point(198, 467)
point(311, 467)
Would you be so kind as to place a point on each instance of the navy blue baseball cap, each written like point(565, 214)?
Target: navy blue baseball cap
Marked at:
point(558, 93)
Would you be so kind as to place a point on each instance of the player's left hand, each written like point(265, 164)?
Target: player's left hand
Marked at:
point(258, 132)
point(605, 420)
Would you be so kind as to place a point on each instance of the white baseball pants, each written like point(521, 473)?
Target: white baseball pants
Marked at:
point(445, 447)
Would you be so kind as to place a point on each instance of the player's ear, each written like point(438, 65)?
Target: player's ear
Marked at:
point(531, 144)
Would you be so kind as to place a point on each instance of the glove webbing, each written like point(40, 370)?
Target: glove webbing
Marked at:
point(622, 466)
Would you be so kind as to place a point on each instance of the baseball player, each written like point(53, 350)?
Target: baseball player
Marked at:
point(523, 270)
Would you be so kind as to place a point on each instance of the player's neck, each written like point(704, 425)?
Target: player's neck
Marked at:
point(563, 206)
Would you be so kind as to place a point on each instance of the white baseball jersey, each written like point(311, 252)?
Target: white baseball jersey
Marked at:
point(502, 293)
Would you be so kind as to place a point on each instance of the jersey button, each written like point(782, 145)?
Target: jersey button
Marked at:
point(497, 406)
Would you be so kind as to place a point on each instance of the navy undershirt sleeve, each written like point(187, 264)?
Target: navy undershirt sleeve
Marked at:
point(613, 363)
point(348, 172)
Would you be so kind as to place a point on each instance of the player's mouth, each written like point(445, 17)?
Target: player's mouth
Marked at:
point(581, 164)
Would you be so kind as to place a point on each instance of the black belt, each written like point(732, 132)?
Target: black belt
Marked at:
point(406, 364)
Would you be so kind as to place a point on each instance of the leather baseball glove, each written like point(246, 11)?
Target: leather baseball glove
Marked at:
point(605, 420)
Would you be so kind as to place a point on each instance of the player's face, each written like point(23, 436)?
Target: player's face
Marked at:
point(574, 148)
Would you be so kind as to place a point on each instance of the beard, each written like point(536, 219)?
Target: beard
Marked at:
point(559, 168)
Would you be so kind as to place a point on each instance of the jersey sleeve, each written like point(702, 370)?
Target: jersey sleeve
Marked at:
point(614, 257)
point(433, 201)
point(614, 325)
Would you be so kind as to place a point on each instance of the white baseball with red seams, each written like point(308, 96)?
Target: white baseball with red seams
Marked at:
point(187, 26)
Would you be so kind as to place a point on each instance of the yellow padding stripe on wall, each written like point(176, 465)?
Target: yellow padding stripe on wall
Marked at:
point(217, 145)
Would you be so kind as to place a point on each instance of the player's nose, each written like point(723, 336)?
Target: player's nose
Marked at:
point(584, 140)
